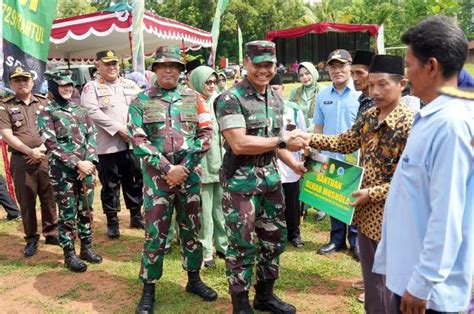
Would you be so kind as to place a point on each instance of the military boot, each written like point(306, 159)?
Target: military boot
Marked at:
point(72, 262)
point(136, 219)
point(199, 288)
point(113, 231)
point(266, 301)
point(148, 299)
point(88, 254)
point(240, 303)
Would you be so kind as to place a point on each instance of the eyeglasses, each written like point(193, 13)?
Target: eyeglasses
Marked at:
point(334, 67)
point(210, 82)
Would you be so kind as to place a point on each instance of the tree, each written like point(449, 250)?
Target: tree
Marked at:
point(68, 8)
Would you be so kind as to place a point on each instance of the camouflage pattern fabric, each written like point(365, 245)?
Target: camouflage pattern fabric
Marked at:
point(69, 135)
point(170, 127)
point(253, 198)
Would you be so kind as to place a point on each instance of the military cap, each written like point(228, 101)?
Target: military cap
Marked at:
point(106, 56)
point(59, 78)
point(276, 80)
point(20, 72)
point(260, 51)
point(456, 92)
point(169, 54)
point(387, 64)
point(340, 55)
point(363, 57)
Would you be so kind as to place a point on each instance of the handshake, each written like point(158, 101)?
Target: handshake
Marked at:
point(297, 140)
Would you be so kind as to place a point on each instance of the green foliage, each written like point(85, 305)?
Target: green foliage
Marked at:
point(68, 8)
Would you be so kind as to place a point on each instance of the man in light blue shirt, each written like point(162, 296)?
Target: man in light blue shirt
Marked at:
point(335, 112)
point(427, 246)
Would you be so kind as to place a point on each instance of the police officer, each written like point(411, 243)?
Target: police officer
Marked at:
point(29, 165)
point(69, 136)
point(250, 117)
point(107, 99)
point(170, 129)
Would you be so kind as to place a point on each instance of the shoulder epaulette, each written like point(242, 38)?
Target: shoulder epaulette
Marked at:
point(7, 99)
point(40, 96)
point(463, 93)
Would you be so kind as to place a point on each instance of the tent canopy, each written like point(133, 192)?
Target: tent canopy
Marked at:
point(80, 37)
point(314, 42)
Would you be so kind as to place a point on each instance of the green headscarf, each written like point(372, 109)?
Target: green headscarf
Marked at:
point(304, 95)
point(221, 90)
point(199, 76)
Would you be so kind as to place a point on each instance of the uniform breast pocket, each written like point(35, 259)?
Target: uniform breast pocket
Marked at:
point(188, 121)
point(255, 124)
point(18, 120)
point(104, 102)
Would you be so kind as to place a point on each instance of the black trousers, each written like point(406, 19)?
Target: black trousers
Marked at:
point(120, 169)
point(292, 209)
point(7, 201)
point(398, 300)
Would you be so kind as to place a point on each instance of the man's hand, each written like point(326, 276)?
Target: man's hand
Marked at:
point(84, 168)
point(303, 136)
point(177, 175)
point(299, 168)
point(35, 156)
point(123, 133)
point(362, 197)
point(412, 305)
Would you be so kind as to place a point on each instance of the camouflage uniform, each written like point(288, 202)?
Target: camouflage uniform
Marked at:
point(69, 136)
point(170, 127)
point(252, 199)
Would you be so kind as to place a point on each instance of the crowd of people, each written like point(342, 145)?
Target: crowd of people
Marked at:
point(228, 163)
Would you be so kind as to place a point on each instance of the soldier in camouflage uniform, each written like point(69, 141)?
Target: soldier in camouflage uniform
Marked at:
point(69, 136)
point(170, 129)
point(250, 119)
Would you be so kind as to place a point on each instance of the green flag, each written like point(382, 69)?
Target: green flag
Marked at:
point(26, 32)
point(220, 8)
point(241, 42)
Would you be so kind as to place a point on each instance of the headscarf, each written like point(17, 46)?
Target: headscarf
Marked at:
point(304, 95)
point(199, 76)
point(56, 79)
point(221, 90)
point(139, 79)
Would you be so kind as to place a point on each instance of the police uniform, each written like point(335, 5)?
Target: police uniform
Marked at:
point(32, 180)
point(107, 104)
point(253, 199)
point(170, 127)
point(69, 135)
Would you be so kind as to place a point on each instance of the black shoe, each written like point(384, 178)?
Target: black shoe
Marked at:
point(72, 262)
point(51, 240)
point(210, 264)
point(297, 242)
point(330, 248)
point(356, 252)
point(147, 300)
point(199, 288)
point(136, 220)
point(266, 301)
point(240, 303)
point(88, 254)
point(319, 215)
point(30, 249)
point(113, 231)
point(13, 217)
point(220, 255)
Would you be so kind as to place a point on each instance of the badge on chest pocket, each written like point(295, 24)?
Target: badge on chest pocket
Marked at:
point(17, 117)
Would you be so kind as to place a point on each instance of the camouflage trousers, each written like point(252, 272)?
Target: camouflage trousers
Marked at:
point(247, 215)
point(74, 199)
point(159, 205)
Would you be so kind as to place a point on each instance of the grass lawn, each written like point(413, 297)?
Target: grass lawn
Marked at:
point(40, 284)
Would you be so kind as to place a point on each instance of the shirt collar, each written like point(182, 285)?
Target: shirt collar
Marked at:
point(395, 115)
point(434, 106)
point(349, 87)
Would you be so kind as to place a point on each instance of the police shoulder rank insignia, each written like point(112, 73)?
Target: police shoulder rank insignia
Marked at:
point(7, 99)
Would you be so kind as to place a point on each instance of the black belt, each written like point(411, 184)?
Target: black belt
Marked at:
point(256, 160)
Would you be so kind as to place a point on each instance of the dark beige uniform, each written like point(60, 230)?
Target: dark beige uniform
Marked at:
point(30, 180)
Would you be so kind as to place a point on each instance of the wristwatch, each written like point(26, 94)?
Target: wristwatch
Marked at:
point(281, 143)
point(167, 168)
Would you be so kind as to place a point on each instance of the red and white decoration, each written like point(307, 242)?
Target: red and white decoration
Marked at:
point(80, 37)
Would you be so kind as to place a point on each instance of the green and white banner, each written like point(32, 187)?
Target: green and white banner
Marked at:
point(328, 186)
point(26, 33)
